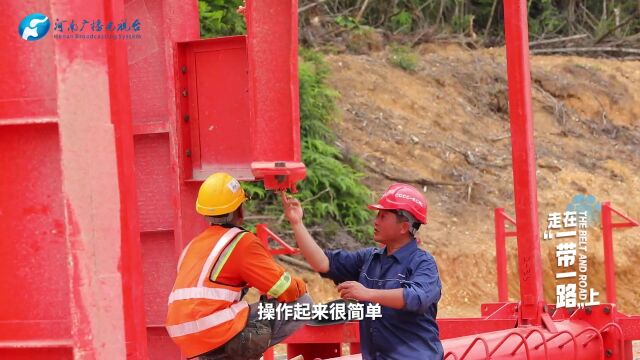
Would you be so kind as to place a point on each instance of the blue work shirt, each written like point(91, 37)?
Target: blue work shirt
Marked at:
point(410, 333)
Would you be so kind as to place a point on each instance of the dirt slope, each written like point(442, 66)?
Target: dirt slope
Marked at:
point(446, 128)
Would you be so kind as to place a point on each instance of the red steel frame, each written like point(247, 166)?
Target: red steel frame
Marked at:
point(607, 236)
point(532, 310)
point(500, 217)
point(96, 205)
point(68, 184)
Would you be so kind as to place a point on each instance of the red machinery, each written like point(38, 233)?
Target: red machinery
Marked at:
point(537, 331)
point(103, 145)
point(530, 328)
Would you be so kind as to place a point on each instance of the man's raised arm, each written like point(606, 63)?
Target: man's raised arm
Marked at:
point(308, 246)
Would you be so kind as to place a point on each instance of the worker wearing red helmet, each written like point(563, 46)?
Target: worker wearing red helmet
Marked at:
point(399, 276)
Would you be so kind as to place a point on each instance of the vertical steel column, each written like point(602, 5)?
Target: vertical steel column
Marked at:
point(523, 156)
point(609, 262)
point(272, 46)
point(131, 256)
point(501, 252)
point(501, 256)
point(91, 189)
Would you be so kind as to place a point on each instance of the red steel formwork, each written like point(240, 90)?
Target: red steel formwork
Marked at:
point(69, 227)
point(103, 145)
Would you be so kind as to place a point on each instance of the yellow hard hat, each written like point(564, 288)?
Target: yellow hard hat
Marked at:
point(220, 194)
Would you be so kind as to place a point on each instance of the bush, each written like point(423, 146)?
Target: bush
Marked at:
point(402, 22)
point(220, 18)
point(331, 181)
point(404, 58)
point(547, 19)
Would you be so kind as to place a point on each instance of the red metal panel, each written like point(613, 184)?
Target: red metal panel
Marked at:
point(314, 351)
point(218, 96)
point(160, 347)
point(322, 341)
point(239, 108)
point(28, 87)
point(159, 272)
point(347, 332)
point(154, 178)
point(48, 353)
point(457, 327)
point(219, 130)
point(148, 65)
point(35, 320)
point(34, 277)
point(631, 327)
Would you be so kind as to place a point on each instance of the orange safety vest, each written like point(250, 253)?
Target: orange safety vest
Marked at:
point(204, 315)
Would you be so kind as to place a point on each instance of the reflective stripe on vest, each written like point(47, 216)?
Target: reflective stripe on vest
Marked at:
point(213, 256)
point(184, 252)
point(205, 293)
point(207, 322)
point(280, 286)
point(224, 257)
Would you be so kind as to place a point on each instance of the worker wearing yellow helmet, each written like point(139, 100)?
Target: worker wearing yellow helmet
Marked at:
point(207, 316)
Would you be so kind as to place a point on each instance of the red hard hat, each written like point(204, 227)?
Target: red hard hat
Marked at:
point(403, 197)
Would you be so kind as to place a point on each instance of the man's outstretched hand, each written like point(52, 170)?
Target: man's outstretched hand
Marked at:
point(292, 209)
point(353, 290)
